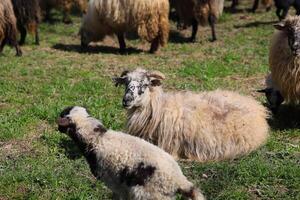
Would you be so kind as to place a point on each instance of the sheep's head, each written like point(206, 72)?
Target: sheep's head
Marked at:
point(291, 26)
point(69, 117)
point(138, 85)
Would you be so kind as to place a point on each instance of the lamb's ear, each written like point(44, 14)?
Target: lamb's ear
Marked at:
point(63, 121)
point(280, 26)
point(156, 78)
point(120, 80)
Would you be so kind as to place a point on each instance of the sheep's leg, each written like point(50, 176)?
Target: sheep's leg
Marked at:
point(284, 13)
point(37, 38)
point(122, 43)
point(194, 30)
point(154, 45)
point(2, 45)
point(212, 21)
point(66, 12)
point(47, 15)
point(278, 11)
point(255, 6)
point(17, 47)
point(234, 4)
point(23, 34)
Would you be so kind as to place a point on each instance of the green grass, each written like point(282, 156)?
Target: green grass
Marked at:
point(37, 162)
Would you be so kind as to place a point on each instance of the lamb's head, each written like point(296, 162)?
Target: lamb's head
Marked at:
point(138, 86)
point(69, 119)
point(291, 26)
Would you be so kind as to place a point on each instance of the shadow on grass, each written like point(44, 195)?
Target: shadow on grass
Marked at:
point(94, 49)
point(70, 149)
point(176, 37)
point(255, 24)
point(287, 117)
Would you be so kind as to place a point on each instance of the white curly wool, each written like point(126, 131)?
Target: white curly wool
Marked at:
point(131, 167)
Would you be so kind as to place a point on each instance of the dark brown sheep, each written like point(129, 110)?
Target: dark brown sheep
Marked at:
point(28, 17)
point(8, 26)
point(64, 5)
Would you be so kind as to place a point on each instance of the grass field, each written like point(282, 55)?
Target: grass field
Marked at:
point(37, 162)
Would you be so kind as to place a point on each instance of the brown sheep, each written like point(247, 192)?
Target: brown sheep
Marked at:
point(193, 12)
point(64, 5)
point(28, 17)
point(266, 3)
point(8, 26)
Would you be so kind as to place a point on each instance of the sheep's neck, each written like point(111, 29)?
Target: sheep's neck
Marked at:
point(144, 121)
point(86, 145)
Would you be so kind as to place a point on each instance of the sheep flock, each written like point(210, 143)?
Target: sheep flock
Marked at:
point(166, 125)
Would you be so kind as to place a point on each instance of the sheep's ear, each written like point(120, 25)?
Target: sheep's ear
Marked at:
point(63, 121)
point(120, 80)
point(156, 78)
point(280, 26)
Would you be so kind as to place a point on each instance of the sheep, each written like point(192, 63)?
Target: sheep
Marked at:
point(266, 3)
point(206, 126)
point(28, 17)
point(148, 18)
point(283, 84)
point(131, 167)
point(193, 12)
point(8, 27)
point(283, 6)
point(64, 5)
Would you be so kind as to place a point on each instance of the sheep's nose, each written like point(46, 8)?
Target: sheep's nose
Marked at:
point(126, 101)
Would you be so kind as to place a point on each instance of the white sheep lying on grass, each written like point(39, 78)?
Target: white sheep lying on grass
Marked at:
point(207, 126)
point(131, 167)
point(283, 84)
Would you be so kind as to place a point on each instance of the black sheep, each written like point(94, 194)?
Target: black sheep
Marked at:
point(283, 6)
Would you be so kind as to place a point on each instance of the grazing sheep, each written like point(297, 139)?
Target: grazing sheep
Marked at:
point(64, 5)
point(284, 59)
point(193, 12)
point(148, 18)
point(208, 126)
point(28, 17)
point(131, 167)
point(266, 3)
point(8, 26)
point(283, 6)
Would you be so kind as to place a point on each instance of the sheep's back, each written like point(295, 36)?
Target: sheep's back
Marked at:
point(117, 150)
point(284, 68)
point(211, 125)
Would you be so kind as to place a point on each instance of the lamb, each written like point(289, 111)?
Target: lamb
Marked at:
point(28, 17)
point(283, 6)
point(283, 84)
point(148, 18)
point(131, 167)
point(64, 5)
point(266, 3)
point(8, 26)
point(207, 126)
point(193, 12)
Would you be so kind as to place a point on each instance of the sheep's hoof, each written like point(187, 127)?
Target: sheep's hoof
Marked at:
point(192, 40)
point(19, 54)
point(213, 39)
point(67, 21)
